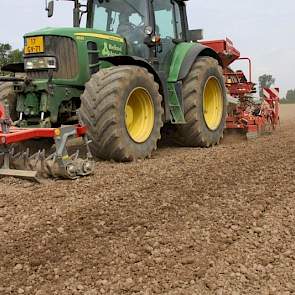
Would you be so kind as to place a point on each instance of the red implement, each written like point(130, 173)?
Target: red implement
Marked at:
point(57, 164)
point(225, 49)
point(253, 118)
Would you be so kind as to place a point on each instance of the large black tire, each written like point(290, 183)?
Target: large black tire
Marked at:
point(196, 132)
point(103, 110)
point(7, 94)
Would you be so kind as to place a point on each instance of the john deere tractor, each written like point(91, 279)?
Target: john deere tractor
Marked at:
point(135, 67)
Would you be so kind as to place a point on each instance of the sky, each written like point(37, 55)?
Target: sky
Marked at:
point(263, 30)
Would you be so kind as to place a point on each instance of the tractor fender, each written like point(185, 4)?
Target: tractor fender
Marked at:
point(185, 55)
point(138, 61)
point(134, 61)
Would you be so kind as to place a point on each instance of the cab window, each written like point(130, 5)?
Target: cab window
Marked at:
point(168, 19)
point(127, 18)
point(113, 15)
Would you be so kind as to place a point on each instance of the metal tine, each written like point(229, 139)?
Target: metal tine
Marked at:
point(30, 165)
point(86, 141)
point(49, 167)
point(17, 155)
point(25, 157)
point(51, 157)
point(75, 156)
point(11, 151)
point(35, 157)
point(32, 160)
point(44, 165)
point(49, 170)
point(86, 144)
point(13, 155)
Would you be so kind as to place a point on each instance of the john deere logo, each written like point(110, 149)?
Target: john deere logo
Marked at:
point(111, 49)
point(106, 50)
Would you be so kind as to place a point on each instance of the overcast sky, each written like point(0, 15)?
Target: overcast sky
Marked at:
point(261, 29)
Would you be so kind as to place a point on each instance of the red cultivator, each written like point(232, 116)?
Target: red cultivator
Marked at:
point(57, 164)
point(255, 118)
point(244, 114)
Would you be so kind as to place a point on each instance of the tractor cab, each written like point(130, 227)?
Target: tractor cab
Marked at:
point(151, 28)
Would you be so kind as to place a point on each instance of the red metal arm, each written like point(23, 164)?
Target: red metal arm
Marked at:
point(22, 134)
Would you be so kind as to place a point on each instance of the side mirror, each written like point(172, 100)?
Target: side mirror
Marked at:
point(195, 35)
point(50, 8)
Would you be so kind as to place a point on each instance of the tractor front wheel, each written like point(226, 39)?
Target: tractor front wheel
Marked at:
point(122, 108)
point(204, 99)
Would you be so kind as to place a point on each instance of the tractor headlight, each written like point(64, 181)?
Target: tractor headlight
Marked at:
point(40, 63)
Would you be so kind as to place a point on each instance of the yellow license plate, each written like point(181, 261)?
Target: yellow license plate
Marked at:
point(34, 45)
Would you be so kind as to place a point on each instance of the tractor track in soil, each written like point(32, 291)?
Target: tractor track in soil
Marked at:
point(186, 221)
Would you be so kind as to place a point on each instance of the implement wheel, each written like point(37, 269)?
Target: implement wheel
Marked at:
point(204, 97)
point(7, 94)
point(122, 108)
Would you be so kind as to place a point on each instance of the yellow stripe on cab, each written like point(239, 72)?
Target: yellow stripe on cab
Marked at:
point(101, 36)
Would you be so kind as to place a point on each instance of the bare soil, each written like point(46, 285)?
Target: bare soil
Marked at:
point(188, 221)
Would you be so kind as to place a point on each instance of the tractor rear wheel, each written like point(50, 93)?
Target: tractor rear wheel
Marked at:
point(122, 108)
point(7, 94)
point(204, 98)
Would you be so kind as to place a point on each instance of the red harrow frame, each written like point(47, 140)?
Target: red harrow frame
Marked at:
point(244, 113)
point(58, 164)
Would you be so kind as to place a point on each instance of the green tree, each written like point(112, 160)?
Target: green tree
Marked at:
point(290, 97)
point(8, 55)
point(265, 81)
point(4, 50)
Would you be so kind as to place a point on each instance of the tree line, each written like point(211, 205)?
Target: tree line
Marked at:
point(267, 81)
point(9, 55)
point(290, 97)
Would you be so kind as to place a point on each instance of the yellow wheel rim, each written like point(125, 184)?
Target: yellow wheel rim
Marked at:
point(139, 115)
point(212, 103)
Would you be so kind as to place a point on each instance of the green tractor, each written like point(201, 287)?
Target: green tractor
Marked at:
point(135, 67)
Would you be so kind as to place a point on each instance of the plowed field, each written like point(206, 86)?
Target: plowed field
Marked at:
point(187, 221)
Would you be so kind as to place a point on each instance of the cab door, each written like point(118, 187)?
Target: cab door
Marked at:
point(169, 25)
